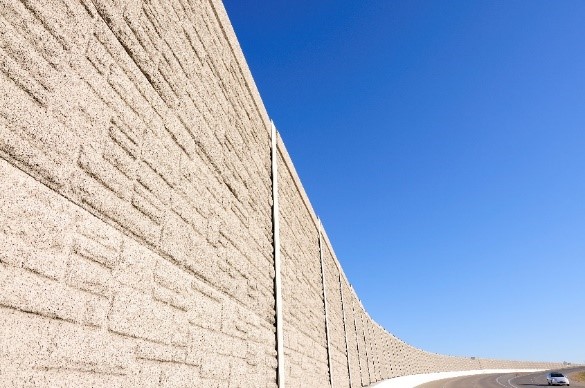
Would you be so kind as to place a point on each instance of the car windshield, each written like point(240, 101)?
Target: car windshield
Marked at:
point(556, 375)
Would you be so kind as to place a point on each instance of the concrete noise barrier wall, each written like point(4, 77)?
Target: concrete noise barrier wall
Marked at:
point(137, 237)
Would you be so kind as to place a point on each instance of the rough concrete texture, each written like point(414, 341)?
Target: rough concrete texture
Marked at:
point(136, 244)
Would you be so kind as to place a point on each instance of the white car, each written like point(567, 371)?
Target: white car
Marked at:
point(556, 378)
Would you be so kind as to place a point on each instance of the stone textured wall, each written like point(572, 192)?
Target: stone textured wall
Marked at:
point(135, 225)
point(305, 343)
point(136, 233)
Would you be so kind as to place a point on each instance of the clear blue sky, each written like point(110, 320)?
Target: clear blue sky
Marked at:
point(442, 143)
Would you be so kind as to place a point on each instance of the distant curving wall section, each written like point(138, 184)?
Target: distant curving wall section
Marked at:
point(136, 216)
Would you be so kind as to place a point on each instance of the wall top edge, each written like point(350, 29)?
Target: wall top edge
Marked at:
point(230, 35)
point(281, 147)
point(238, 53)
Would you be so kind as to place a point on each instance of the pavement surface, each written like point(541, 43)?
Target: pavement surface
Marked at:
point(504, 380)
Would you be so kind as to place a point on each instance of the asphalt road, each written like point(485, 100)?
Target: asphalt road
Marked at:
point(510, 380)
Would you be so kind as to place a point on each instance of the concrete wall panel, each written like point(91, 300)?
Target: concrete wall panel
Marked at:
point(304, 309)
point(338, 346)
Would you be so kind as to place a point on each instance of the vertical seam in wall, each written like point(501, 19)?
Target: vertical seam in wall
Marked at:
point(277, 265)
point(357, 343)
point(373, 352)
point(290, 167)
point(325, 306)
point(376, 362)
point(344, 329)
point(366, 341)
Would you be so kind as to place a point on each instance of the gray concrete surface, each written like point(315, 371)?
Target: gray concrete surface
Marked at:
point(504, 380)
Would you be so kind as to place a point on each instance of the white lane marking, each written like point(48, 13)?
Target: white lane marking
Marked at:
point(498, 381)
point(510, 382)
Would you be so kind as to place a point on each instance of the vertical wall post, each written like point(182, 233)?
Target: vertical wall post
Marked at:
point(325, 302)
point(344, 328)
point(357, 342)
point(366, 341)
point(277, 264)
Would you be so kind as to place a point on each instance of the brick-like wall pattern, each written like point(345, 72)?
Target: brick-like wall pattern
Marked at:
point(305, 342)
point(136, 230)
